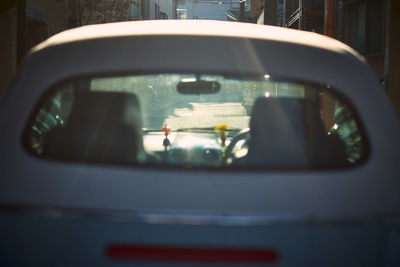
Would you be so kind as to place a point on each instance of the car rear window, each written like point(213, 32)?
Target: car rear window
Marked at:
point(196, 121)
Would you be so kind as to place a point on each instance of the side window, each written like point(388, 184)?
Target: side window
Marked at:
point(346, 128)
point(53, 113)
point(340, 122)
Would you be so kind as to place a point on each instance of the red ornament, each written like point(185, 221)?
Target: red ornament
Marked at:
point(166, 129)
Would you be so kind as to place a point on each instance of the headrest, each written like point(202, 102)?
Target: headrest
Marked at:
point(278, 134)
point(278, 114)
point(103, 128)
point(105, 108)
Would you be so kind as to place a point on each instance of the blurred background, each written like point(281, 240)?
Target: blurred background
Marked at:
point(369, 26)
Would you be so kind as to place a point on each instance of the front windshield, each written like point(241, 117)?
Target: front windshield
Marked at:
point(196, 120)
point(162, 104)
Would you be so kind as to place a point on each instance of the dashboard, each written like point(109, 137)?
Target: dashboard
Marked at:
point(185, 148)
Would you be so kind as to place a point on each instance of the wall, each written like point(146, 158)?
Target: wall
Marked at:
point(43, 19)
point(362, 25)
point(168, 7)
point(394, 56)
point(256, 7)
point(8, 48)
point(55, 11)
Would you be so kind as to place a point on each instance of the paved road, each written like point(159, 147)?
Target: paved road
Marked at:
point(193, 111)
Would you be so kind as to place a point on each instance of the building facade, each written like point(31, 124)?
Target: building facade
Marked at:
point(24, 25)
point(369, 26)
point(362, 24)
point(212, 9)
point(158, 9)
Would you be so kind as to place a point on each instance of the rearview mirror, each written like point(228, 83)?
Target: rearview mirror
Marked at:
point(198, 87)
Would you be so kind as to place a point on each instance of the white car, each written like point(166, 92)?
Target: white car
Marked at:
point(197, 143)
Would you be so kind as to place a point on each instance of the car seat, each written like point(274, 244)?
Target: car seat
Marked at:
point(103, 127)
point(287, 133)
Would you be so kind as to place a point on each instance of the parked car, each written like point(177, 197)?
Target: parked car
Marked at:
point(197, 143)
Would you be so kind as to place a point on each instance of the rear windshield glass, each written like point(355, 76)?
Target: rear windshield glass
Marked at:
point(193, 121)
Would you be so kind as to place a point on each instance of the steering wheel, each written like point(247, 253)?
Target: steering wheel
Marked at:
point(229, 154)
